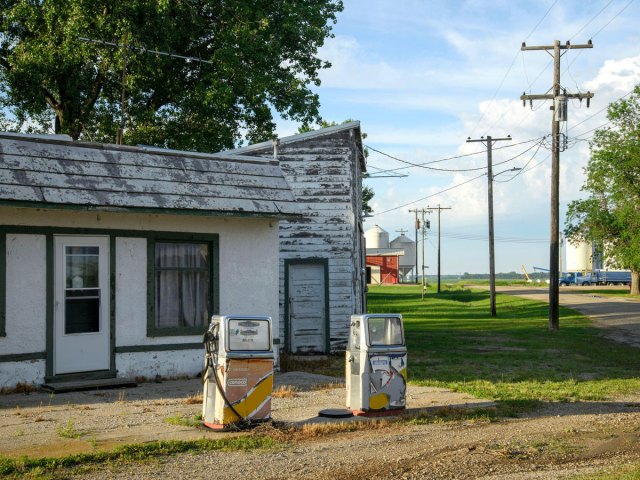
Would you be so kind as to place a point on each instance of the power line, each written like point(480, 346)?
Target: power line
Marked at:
point(423, 165)
point(454, 186)
point(591, 21)
point(429, 196)
point(484, 238)
point(612, 19)
point(603, 27)
point(495, 94)
point(523, 168)
point(145, 50)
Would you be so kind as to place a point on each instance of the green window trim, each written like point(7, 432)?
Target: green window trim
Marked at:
point(3, 285)
point(213, 246)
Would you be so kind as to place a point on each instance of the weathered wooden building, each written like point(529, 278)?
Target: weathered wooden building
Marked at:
point(322, 257)
point(113, 258)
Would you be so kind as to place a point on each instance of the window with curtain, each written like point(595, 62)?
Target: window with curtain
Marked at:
point(182, 285)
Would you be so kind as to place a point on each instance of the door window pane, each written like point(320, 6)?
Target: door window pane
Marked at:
point(82, 290)
point(82, 311)
point(82, 267)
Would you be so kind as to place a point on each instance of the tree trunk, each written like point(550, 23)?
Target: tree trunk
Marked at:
point(635, 283)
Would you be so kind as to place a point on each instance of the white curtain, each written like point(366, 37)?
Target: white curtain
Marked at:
point(182, 284)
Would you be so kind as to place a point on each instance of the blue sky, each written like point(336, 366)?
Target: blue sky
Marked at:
point(422, 76)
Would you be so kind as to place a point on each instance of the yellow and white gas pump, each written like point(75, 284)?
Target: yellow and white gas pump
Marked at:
point(238, 376)
point(376, 367)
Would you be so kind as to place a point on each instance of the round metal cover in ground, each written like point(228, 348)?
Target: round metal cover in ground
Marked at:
point(335, 413)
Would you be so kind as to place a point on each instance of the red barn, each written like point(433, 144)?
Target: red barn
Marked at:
point(382, 265)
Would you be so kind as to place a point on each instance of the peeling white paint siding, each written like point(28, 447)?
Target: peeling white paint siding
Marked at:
point(26, 295)
point(166, 364)
point(249, 271)
point(28, 371)
point(26, 311)
point(325, 175)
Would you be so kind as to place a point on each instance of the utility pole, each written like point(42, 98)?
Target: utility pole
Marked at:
point(417, 226)
point(489, 141)
point(559, 109)
point(425, 225)
point(439, 209)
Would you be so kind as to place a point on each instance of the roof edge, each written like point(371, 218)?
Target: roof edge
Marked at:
point(67, 140)
point(296, 137)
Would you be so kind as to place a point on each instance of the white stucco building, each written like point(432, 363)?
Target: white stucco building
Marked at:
point(113, 258)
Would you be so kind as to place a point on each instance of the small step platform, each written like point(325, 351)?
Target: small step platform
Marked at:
point(79, 385)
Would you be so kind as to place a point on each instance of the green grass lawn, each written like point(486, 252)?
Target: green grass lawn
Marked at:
point(453, 342)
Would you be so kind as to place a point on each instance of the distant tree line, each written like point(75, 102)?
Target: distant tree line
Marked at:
point(504, 276)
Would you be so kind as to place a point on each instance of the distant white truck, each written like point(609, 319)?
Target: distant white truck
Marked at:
point(605, 277)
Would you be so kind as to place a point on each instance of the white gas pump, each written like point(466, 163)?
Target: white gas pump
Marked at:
point(238, 376)
point(376, 367)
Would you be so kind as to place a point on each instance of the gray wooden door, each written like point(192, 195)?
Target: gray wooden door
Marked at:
point(307, 308)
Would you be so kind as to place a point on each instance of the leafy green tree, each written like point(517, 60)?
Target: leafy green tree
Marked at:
point(610, 216)
point(258, 57)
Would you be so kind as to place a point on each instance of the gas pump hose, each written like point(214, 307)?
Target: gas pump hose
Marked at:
point(210, 338)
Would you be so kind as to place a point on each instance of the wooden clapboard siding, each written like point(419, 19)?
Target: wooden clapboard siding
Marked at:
point(324, 169)
point(57, 173)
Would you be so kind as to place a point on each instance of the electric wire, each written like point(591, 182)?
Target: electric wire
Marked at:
point(450, 169)
point(591, 21)
point(485, 238)
point(429, 196)
point(602, 28)
point(612, 19)
point(145, 50)
point(412, 165)
point(523, 169)
point(515, 57)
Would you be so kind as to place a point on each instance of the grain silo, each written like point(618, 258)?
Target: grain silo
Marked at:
point(579, 257)
point(377, 237)
point(407, 262)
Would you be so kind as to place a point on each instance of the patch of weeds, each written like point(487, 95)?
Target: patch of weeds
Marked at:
point(183, 421)
point(194, 399)
point(122, 395)
point(328, 386)
point(285, 391)
point(626, 472)
point(448, 414)
point(515, 408)
point(68, 431)
point(61, 467)
point(282, 432)
point(20, 387)
point(527, 451)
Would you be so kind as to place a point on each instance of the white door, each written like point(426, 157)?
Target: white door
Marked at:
point(307, 308)
point(81, 304)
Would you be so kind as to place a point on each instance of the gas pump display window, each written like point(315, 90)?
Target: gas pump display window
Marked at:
point(245, 334)
point(385, 331)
